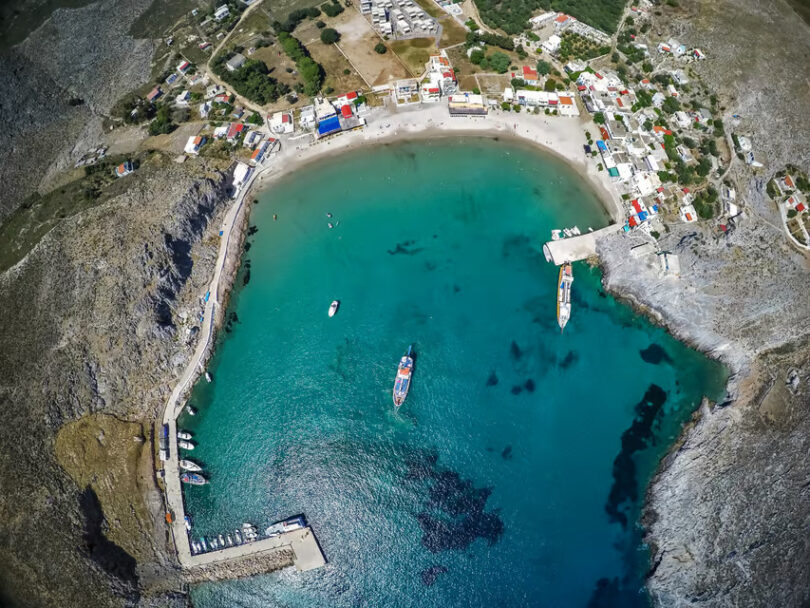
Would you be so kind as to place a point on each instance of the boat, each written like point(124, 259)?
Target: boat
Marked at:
point(288, 525)
point(214, 543)
point(238, 537)
point(194, 479)
point(333, 307)
point(230, 540)
point(555, 235)
point(564, 294)
point(221, 540)
point(187, 520)
point(184, 435)
point(186, 445)
point(191, 411)
point(190, 465)
point(330, 224)
point(204, 544)
point(402, 383)
point(208, 376)
point(328, 214)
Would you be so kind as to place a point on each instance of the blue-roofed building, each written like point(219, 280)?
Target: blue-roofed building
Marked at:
point(601, 145)
point(328, 126)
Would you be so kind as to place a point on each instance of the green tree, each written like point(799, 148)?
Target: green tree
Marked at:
point(477, 56)
point(330, 36)
point(550, 86)
point(671, 105)
point(599, 118)
point(543, 67)
point(499, 62)
point(380, 48)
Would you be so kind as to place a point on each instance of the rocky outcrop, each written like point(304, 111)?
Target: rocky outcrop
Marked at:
point(96, 320)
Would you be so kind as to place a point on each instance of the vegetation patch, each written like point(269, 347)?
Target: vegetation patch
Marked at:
point(414, 52)
point(252, 81)
point(512, 16)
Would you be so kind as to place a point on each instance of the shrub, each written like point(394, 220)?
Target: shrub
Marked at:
point(330, 36)
point(380, 48)
point(320, 25)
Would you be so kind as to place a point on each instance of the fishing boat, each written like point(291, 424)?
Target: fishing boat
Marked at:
point(333, 307)
point(186, 445)
point(564, 294)
point(195, 479)
point(402, 383)
point(190, 410)
point(184, 435)
point(288, 525)
point(190, 465)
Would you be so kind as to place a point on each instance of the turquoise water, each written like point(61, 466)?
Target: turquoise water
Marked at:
point(512, 474)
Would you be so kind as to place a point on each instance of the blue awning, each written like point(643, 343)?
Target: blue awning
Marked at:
point(330, 125)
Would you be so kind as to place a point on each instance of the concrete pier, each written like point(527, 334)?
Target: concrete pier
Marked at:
point(575, 248)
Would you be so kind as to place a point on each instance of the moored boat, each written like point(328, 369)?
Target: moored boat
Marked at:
point(288, 525)
point(402, 382)
point(186, 445)
point(195, 479)
point(333, 307)
point(187, 520)
point(189, 465)
point(184, 435)
point(564, 294)
point(190, 410)
point(208, 376)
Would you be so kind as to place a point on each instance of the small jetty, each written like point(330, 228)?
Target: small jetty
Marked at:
point(576, 247)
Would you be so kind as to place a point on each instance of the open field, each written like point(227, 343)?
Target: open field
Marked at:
point(332, 60)
point(492, 83)
point(357, 42)
point(452, 31)
point(279, 9)
point(414, 53)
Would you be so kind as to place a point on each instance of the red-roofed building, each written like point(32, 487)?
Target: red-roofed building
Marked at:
point(234, 130)
point(604, 133)
point(154, 94)
point(632, 221)
point(530, 76)
point(636, 206)
point(352, 95)
point(800, 207)
point(346, 111)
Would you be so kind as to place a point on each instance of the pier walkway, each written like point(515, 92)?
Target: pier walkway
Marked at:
point(307, 553)
point(575, 248)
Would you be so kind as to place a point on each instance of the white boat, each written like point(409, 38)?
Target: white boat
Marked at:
point(288, 525)
point(221, 540)
point(331, 225)
point(333, 307)
point(238, 537)
point(402, 381)
point(186, 445)
point(208, 377)
point(187, 520)
point(189, 465)
point(184, 435)
point(576, 231)
point(191, 411)
point(555, 235)
point(564, 294)
point(230, 540)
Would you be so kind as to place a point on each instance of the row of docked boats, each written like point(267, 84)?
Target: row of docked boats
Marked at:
point(192, 473)
point(248, 533)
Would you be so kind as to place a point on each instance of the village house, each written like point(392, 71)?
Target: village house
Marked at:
point(124, 169)
point(281, 123)
point(241, 175)
point(235, 62)
point(306, 118)
point(182, 99)
point(252, 139)
point(154, 94)
point(530, 76)
point(234, 131)
point(259, 153)
point(194, 144)
point(205, 109)
point(552, 45)
point(222, 12)
point(183, 67)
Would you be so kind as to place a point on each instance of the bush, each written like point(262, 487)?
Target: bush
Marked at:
point(380, 48)
point(320, 25)
point(330, 36)
point(162, 122)
point(792, 213)
point(543, 67)
point(550, 86)
point(346, 72)
point(477, 57)
point(332, 9)
point(506, 106)
point(499, 62)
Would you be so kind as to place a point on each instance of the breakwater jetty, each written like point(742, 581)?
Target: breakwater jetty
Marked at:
point(576, 248)
point(297, 547)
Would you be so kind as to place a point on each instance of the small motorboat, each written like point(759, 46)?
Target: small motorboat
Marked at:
point(195, 479)
point(402, 382)
point(184, 435)
point(275, 216)
point(221, 540)
point(204, 544)
point(333, 307)
point(208, 377)
point(190, 465)
point(186, 445)
point(328, 214)
point(238, 537)
point(230, 540)
point(187, 521)
point(331, 225)
point(190, 410)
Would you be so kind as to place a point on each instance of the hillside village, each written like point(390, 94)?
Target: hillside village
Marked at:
point(254, 84)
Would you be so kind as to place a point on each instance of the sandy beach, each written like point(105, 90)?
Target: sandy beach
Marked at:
point(562, 137)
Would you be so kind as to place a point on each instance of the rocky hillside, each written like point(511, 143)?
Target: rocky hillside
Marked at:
point(43, 132)
point(727, 516)
point(96, 321)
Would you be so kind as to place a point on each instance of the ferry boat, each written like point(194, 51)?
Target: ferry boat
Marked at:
point(402, 383)
point(186, 445)
point(288, 525)
point(194, 479)
point(190, 465)
point(184, 435)
point(564, 294)
point(333, 307)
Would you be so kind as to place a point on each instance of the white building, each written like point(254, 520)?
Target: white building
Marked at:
point(182, 99)
point(306, 119)
point(241, 175)
point(194, 144)
point(235, 62)
point(222, 12)
point(552, 45)
point(282, 123)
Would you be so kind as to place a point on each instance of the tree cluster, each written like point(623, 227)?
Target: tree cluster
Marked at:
point(512, 16)
point(497, 62)
point(503, 42)
point(294, 18)
point(332, 9)
point(311, 72)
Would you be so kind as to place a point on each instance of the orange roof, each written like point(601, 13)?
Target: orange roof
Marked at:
point(198, 140)
point(121, 168)
point(789, 181)
point(566, 101)
point(255, 154)
point(561, 19)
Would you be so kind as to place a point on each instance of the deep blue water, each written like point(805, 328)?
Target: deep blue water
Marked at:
point(513, 473)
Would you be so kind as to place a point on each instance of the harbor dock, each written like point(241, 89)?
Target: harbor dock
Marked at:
point(576, 248)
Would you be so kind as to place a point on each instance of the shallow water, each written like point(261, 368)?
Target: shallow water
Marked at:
point(512, 474)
